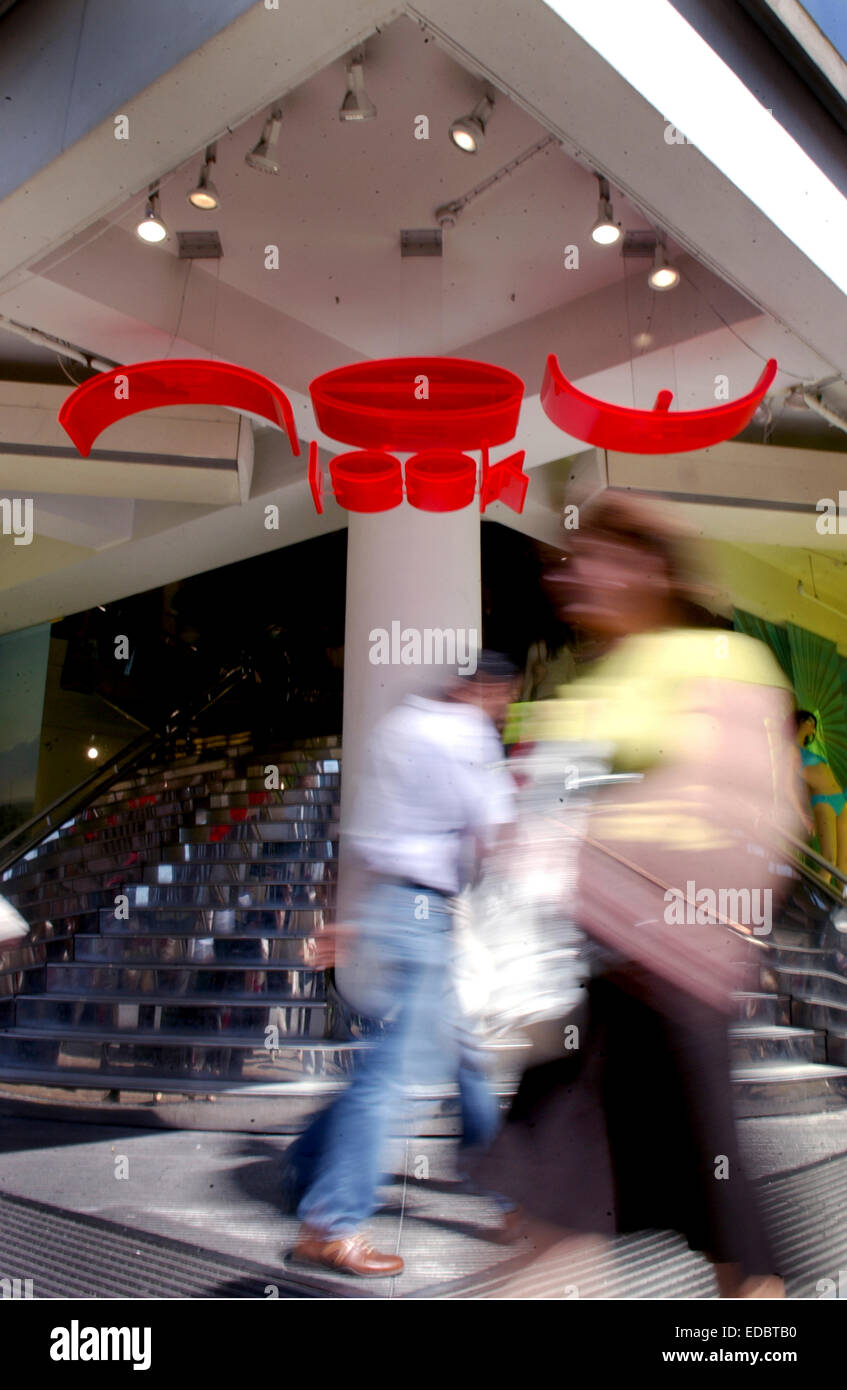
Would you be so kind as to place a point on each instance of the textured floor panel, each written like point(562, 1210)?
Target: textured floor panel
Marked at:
point(66, 1255)
point(805, 1212)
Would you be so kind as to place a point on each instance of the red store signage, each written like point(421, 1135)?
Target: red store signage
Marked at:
point(434, 408)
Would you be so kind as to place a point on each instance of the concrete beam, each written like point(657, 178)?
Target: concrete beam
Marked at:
point(574, 86)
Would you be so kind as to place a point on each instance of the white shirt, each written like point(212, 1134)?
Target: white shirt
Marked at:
point(434, 779)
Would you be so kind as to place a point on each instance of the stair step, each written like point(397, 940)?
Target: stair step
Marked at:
point(261, 886)
point(214, 922)
point(183, 767)
point(277, 894)
point(823, 1014)
point(284, 873)
point(32, 953)
point(116, 842)
point(141, 1016)
point(156, 1059)
point(27, 980)
point(320, 785)
point(318, 789)
point(771, 1042)
point(756, 1006)
point(195, 982)
point(825, 985)
point(788, 1088)
point(150, 808)
point(272, 896)
point(71, 865)
point(188, 948)
point(294, 767)
point(296, 832)
point(237, 1091)
point(242, 851)
point(310, 815)
point(166, 781)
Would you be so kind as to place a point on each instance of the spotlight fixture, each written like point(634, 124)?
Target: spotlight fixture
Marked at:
point(261, 156)
point(151, 227)
point(447, 215)
point(357, 105)
point(605, 230)
point(663, 276)
point(205, 195)
point(92, 752)
point(468, 132)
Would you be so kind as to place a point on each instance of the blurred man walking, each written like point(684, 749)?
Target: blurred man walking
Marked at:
point(433, 804)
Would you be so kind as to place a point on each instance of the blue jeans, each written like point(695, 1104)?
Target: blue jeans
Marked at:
point(336, 1164)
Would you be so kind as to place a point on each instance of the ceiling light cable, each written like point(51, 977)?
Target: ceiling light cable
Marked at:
point(57, 345)
point(814, 402)
point(813, 598)
point(447, 214)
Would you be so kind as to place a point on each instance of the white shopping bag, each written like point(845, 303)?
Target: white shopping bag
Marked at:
point(12, 925)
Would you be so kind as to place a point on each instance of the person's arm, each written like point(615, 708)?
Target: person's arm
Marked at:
point(487, 791)
point(820, 779)
point(791, 791)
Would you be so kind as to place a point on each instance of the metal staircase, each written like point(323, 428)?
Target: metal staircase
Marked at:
point(790, 1043)
point(173, 925)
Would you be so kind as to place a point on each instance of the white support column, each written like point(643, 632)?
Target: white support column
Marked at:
point(421, 569)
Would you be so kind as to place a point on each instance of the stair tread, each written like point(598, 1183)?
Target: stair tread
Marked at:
point(119, 1081)
point(780, 1030)
point(170, 1000)
point(124, 935)
point(216, 1040)
point(269, 934)
point(817, 973)
point(757, 994)
point(786, 1071)
point(90, 964)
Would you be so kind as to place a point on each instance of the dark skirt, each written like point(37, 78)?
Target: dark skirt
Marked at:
point(636, 1130)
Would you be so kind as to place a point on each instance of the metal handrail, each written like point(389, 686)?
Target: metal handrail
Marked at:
point(803, 849)
point(28, 836)
point(799, 847)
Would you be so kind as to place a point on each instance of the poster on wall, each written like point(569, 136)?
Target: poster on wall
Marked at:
point(23, 671)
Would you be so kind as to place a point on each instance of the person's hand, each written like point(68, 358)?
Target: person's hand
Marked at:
point(329, 947)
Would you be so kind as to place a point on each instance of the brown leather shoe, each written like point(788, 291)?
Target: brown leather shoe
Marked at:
point(352, 1254)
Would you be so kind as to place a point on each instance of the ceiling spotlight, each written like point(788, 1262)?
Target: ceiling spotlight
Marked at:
point(468, 132)
point(357, 105)
point(205, 195)
point(151, 227)
point(663, 276)
point(261, 156)
point(92, 752)
point(447, 215)
point(605, 230)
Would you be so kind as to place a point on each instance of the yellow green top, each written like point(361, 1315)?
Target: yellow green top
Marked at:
point(632, 698)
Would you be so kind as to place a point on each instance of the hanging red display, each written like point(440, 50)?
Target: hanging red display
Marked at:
point(653, 431)
point(434, 408)
point(437, 406)
point(125, 391)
